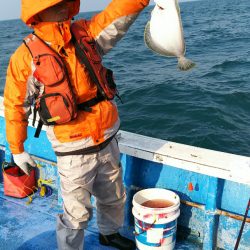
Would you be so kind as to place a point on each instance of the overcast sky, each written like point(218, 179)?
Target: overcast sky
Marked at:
point(10, 9)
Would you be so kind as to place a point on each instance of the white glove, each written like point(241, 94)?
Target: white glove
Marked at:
point(24, 161)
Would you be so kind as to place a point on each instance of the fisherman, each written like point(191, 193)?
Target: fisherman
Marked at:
point(88, 157)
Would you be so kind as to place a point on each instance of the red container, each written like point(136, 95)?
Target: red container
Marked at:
point(17, 183)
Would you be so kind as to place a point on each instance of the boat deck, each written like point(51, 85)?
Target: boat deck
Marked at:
point(32, 227)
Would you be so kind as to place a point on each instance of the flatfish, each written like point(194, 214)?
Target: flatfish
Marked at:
point(164, 32)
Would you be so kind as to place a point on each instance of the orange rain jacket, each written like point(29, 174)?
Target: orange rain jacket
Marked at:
point(89, 128)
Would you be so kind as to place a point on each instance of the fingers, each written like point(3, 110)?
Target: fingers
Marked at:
point(31, 162)
point(26, 168)
point(24, 161)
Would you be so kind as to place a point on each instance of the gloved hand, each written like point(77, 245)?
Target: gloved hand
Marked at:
point(24, 161)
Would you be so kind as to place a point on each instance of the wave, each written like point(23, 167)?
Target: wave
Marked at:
point(229, 64)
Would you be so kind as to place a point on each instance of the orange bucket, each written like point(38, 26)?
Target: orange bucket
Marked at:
point(16, 183)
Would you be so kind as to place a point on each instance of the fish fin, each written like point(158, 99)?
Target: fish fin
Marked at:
point(150, 43)
point(147, 36)
point(177, 7)
point(185, 64)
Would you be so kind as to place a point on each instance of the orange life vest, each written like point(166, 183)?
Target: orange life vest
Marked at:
point(57, 104)
point(87, 53)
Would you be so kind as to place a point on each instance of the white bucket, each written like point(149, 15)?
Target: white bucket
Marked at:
point(155, 228)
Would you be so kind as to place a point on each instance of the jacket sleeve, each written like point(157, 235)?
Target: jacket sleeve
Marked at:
point(110, 25)
point(16, 104)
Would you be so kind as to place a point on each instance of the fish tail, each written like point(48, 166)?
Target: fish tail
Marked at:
point(185, 64)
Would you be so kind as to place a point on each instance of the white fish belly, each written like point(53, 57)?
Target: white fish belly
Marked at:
point(166, 29)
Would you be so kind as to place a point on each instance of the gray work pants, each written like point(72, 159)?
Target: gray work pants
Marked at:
point(98, 174)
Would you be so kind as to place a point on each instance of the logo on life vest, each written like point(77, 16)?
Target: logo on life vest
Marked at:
point(75, 136)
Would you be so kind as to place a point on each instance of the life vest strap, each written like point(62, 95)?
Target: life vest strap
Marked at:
point(39, 128)
point(86, 106)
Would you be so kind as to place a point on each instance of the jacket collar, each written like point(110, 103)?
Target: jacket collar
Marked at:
point(56, 34)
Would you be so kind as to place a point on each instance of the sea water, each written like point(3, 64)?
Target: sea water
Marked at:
point(208, 106)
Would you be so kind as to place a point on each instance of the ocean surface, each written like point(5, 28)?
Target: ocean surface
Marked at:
point(207, 107)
